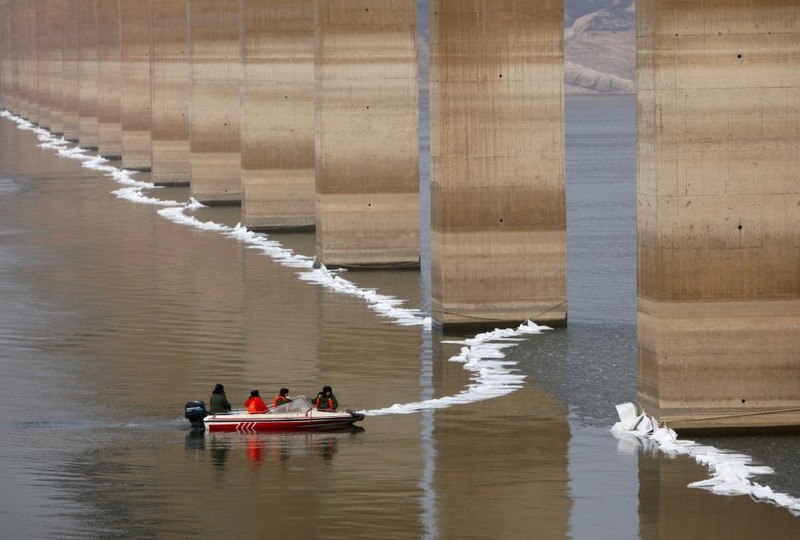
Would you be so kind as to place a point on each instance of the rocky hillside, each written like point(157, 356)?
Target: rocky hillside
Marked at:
point(600, 46)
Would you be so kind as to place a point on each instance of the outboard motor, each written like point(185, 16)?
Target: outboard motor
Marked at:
point(195, 412)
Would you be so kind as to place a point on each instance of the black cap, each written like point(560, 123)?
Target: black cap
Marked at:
point(284, 391)
point(253, 393)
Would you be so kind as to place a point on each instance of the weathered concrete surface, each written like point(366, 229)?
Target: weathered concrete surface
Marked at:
point(277, 130)
point(719, 212)
point(135, 74)
point(17, 28)
point(55, 60)
point(170, 91)
point(87, 74)
point(109, 79)
point(32, 91)
point(367, 162)
point(498, 215)
point(71, 29)
point(215, 78)
point(43, 63)
point(5, 53)
point(20, 27)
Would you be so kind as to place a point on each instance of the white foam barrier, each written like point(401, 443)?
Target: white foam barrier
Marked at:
point(731, 473)
point(491, 376)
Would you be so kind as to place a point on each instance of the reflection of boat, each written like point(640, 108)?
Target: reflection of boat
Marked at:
point(297, 415)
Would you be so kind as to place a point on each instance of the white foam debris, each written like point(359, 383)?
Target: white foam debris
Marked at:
point(731, 473)
point(491, 377)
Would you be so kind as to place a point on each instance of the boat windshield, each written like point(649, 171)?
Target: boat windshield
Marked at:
point(299, 404)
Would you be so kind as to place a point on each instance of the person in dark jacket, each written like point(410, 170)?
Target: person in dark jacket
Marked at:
point(281, 398)
point(254, 404)
point(326, 401)
point(219, 402)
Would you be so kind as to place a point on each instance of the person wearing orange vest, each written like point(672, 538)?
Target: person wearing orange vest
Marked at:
point(326, 401)
point(281, 398)
point(255, 404)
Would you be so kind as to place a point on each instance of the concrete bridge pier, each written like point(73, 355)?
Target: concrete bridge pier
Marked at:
point(87, 75)
point(32, 70)
point(33, 61)
point(5, 54)
point(43, 63)
point(20, 42)
point(277, 129)
point(109, 79)
point(498, 212)
point(135, 75)
point(71, 25)
point(215, 68)
point(367, 160)
point(719, 212)
point(55, 60)
point(169, 48)
point(19, 27)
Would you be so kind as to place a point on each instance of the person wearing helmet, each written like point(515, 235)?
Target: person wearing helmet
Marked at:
point(218, 403)
point(326, 401)
point(281, 398)
point(254, 404)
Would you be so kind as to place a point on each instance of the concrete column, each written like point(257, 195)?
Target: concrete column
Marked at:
point(719, 212)
point(55, 57)
point(215, 104)
point(367, 161)
point(15, 53)
point(20, 23)
point(88, 74)
point(33, 62)
point(5, 54)
point(169, 50)
point(277, 127)
point(43, 62)
point(17, 26)
point(135, 72)
point(71, 28)
point(109, 79)
point(498, 212)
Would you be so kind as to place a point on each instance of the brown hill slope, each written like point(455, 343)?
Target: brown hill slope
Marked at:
point(600, 49)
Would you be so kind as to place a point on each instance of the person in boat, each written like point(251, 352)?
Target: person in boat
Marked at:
point(326, 401)
point(281, 398)
point(219, 402)
point(254, 404)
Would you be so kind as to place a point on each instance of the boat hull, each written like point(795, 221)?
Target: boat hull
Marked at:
point(269, 422)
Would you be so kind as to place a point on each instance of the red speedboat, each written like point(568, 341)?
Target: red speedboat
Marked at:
point(297, 415)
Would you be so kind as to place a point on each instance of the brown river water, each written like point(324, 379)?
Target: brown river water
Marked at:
point(112, 316)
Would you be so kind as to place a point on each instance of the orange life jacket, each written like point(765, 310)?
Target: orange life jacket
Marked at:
point(322, 406)
point(255, 405)
point(279, 400)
